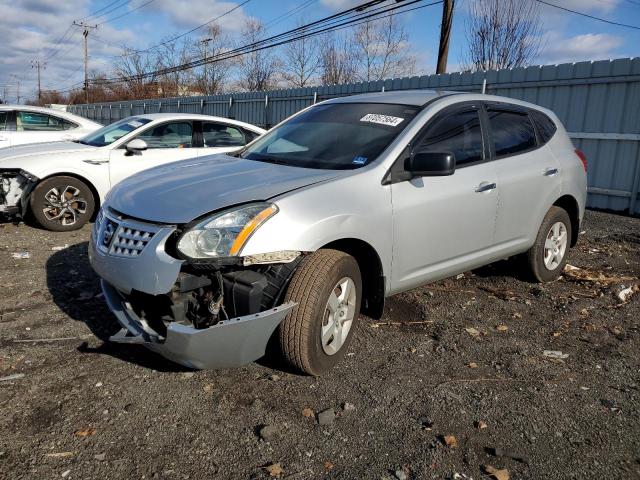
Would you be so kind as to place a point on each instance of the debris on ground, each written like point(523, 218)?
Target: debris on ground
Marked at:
point(100, 457)
point(274, 470)
point(85, 432)
point(501, 293)
point(15, 376)
point(308, 412)
point(60, 248)
point(626, 293)
point(268, 433)
point(505, 453)
point(21, 255)
point(474, 332)
point(480, 424)
point(450, 441)
point(326, 417)
point(472, 365)
point(348, 407)
point(401, 474)
point(555, 354)
point(60, 454)
point(585, 275)
point(495, 473)
point(502, 328)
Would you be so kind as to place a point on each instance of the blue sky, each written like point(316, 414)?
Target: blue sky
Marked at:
point(32, 29)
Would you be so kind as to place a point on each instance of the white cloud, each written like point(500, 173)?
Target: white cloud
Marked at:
point(191, 13)
point(40, 30)
point(591, 46)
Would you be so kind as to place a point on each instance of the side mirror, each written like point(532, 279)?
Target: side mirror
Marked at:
point(431, 164)
point(135, 146)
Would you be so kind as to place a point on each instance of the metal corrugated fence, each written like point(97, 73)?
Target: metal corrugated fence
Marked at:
point(598, 102)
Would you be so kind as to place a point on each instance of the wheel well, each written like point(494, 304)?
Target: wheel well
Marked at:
point(372, 274)
point(570, 205)
point(96, 196)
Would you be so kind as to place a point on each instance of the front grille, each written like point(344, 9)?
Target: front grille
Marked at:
point(129, 242)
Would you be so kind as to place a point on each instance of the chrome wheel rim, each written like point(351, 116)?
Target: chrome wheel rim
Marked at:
point(555, 245)
point(338, 316)
point(64, 205)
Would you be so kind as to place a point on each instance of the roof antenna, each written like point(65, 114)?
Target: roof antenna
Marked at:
point(484, 85)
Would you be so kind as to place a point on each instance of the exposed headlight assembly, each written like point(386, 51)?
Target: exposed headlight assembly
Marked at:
point(225, 233)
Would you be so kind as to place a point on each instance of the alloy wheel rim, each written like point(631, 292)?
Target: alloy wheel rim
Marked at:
point(555, 245)
point(338, 316)
point(64, 205)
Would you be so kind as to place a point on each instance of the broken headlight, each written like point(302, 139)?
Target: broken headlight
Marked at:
point(225, 233)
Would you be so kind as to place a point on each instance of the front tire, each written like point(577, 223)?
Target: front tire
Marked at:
point(548, 256)
point(328, 289)
point(62, 204)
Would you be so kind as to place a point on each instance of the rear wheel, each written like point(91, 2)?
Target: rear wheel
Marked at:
point(62, 203)
point(548, 255)
point(328, 289)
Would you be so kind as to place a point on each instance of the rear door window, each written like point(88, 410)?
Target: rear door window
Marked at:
point(221, 135)
point(38, 122)
point(512, 132)
point(3, 121)
point(169, 135)
point(458, 133)
point(545, 126)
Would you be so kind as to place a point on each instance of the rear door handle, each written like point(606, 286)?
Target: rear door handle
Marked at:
point(486, 187)
point(550, 172)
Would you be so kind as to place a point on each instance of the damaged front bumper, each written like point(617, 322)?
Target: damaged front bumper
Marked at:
point(176, 314)
point(230, 343)
point(15, 187)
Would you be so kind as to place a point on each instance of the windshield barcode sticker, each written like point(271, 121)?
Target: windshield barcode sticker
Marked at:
point(382, 119)
point(135, 123)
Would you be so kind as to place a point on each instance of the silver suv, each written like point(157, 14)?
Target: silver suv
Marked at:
point(343, 204)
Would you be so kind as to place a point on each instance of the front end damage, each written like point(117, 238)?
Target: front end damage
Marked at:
point(201, 315)
point(15, 187)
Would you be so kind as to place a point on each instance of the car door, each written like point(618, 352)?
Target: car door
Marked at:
point(5, 135)
point(167, 142)
point(528, 175)
point(35, 127)
point(217, 137)
point(445, 225)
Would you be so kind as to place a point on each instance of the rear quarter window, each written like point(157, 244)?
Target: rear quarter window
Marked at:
point(545, 126)
point(512, 132)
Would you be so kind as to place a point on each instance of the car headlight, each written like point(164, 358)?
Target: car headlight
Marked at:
point(225, 233)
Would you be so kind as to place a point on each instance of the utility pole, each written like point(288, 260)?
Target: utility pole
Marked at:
point(17, 88)
point(38, 65)
point(85, 34)
point(445, 34)
point(205, 42)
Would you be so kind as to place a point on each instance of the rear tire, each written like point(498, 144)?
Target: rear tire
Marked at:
point(328, 289)
point(548, 255)
point(62, 204)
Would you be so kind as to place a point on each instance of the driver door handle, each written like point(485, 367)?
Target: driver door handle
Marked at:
point(486, 187)
point(550, 172)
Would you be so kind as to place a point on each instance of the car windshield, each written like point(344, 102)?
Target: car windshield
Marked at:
point(109, 134)
point(338, 136)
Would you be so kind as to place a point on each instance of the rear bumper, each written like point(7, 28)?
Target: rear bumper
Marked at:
point(230, 343)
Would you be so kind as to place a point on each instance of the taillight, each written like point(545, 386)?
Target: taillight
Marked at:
point(582, 158)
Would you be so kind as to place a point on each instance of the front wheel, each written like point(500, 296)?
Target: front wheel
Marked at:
point(328, 289)
point(62, 204)
point(548, 255)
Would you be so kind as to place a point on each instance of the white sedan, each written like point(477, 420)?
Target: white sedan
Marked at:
point(20, 124)
point(62, 184)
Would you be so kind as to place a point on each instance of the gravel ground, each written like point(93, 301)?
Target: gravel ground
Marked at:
point(451, 380)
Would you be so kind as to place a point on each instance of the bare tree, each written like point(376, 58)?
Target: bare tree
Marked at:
point(257, 69)
point(301, 61)
point(130, 68)
point(212, 77)
point(381, 50)
point(337, 60)
point(502, 34)
point(167, 55)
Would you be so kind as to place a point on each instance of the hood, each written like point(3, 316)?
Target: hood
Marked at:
point(186, 190)
point(44, 148)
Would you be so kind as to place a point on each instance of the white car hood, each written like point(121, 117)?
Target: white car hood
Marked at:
point(12, 155)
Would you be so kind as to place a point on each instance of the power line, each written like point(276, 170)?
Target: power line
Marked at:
point(260, 45)
point(589, 16)
point(126, 13)
point(93, 14)
point(319, 26)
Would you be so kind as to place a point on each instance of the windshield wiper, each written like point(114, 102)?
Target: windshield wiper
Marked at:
point(266, 159)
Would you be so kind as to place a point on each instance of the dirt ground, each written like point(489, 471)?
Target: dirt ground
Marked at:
point(446, 360)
